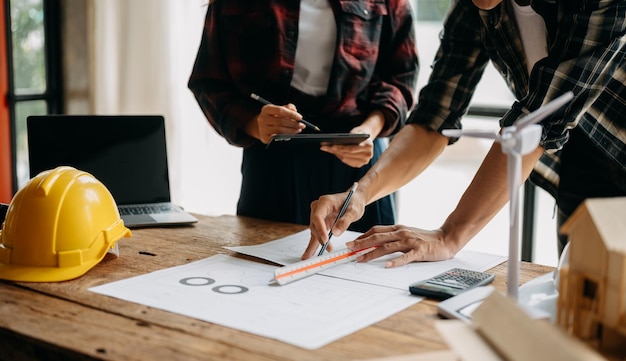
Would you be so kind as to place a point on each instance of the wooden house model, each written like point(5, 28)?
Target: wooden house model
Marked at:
point(592, 286)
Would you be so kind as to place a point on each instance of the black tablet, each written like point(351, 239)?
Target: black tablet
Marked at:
point(332, 138)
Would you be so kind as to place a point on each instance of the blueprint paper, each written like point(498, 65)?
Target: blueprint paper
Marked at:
point(233, 292)
point(307, 313)
point(287, 250)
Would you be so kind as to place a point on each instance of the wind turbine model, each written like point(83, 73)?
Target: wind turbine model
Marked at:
point(516, 140)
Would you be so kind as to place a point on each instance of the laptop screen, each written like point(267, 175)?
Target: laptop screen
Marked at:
point(126, 153)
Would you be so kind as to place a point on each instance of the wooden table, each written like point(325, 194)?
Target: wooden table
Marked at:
point(64, 321)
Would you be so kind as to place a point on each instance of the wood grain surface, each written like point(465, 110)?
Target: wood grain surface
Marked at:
point(64, 321)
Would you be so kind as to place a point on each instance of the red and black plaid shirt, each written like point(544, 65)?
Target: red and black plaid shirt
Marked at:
point(250, 46)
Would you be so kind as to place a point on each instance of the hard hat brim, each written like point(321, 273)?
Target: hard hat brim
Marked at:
point(19, 273)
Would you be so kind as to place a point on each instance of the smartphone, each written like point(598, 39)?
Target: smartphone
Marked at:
point(450, 283)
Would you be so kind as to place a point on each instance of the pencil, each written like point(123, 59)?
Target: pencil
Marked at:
point(267, 102)
point(341, 212)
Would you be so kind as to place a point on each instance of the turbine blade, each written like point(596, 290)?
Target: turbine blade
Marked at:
point(544, 111)
point(457, 133)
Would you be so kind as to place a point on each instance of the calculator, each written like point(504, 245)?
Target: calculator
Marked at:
point(450, 283)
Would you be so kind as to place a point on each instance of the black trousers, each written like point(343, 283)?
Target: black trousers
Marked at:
point(586, 172)
point(279, 183)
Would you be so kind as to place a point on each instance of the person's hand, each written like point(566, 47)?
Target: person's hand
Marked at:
point(356, 155)
point(416, 244)
point(324, 211)
point(275, 119)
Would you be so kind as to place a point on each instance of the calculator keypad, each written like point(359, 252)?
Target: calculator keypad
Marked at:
point(459, 278)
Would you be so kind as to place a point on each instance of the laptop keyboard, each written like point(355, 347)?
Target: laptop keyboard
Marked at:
point(145, 209)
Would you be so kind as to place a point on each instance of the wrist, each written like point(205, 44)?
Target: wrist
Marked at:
point(252, 128)
point(368, 188)
point(374, 123)
point(457, 234)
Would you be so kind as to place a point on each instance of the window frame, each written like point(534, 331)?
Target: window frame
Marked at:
point(53, 94)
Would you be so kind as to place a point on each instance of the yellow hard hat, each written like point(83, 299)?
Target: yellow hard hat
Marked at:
point(58, 226)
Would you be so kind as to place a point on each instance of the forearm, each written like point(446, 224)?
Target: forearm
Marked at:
point(411, 151)
point(485, 196)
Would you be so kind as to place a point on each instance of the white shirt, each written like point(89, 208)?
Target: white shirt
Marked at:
point(315, 51)
point(533, 32)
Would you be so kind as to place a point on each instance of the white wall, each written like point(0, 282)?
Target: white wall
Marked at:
point(144, 52)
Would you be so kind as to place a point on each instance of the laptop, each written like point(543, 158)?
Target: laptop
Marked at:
point(127, 153)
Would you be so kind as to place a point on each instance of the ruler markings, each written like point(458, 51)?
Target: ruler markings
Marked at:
point(309, 267)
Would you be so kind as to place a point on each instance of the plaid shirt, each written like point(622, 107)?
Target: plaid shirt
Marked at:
point(250, 46)
point(587, 49)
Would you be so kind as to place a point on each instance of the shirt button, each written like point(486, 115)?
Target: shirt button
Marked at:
point(365, 11)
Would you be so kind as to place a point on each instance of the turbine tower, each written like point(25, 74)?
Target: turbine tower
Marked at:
point(516, 140)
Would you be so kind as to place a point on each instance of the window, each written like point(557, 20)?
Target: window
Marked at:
point(34, 71)
point(492, 96)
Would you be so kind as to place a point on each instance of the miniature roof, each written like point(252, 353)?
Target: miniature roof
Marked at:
point(608, 216)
